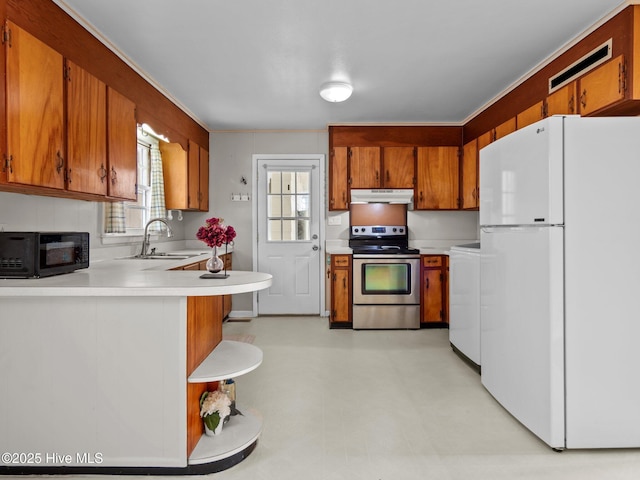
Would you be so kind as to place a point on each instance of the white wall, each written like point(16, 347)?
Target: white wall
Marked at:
point(37, 213)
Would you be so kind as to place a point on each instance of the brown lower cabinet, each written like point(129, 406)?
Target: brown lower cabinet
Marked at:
point(434, 291)
point(341, 297)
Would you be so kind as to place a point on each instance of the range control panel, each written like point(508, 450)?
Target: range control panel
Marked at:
point(378, 231)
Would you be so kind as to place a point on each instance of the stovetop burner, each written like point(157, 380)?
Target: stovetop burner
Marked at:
point(384, 249)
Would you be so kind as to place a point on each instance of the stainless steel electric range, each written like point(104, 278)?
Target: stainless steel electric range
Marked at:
point(386, 278)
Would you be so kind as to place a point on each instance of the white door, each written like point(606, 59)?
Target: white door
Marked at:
point(288, 234)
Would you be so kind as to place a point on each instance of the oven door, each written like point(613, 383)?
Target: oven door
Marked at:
point(386, 280)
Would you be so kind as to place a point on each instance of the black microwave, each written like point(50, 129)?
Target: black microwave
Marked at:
point(42, 254)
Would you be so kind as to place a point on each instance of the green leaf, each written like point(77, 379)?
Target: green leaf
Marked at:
point(212, 421)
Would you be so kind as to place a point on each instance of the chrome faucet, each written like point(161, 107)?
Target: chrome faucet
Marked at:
point(145, 239)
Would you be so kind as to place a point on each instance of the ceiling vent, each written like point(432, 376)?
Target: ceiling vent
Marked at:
point(581, 66)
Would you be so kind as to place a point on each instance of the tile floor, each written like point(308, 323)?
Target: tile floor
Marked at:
point(387, 405)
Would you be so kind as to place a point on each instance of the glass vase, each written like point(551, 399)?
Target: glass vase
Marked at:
point(215, 263)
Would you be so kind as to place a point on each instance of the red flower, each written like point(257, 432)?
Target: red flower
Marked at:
point(214, 233)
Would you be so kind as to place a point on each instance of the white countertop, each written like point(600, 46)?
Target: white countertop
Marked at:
point(138, 278)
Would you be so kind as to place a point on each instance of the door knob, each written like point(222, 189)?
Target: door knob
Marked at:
point(314, 236)
point(315, 248)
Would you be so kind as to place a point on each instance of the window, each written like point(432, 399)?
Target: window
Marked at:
point(288, 208)
point(130, 218)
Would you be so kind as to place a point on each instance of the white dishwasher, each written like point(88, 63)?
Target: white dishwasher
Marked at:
point(464, 302)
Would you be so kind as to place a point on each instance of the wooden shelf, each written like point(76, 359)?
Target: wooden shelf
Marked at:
point(237, 435)
point(228, 360)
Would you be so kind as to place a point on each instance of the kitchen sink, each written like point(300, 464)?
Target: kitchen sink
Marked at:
point(161, 256)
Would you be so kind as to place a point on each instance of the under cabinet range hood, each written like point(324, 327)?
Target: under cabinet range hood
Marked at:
point(383, 195)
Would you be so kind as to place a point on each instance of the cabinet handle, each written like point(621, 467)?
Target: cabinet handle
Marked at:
point(387, 173)
point(377, 176)
point(621, 77)
point(114, 176)
point(344, 282)
point(344, 197)
point(60, 161)
point(8, 164)
point(69, 176)
point(420, 196)
point(572, 104)
point(102, 173)
point(426, 285)
point(583, 99)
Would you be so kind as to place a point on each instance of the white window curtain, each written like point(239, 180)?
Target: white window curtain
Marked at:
point(114, 218)
point(158, 206)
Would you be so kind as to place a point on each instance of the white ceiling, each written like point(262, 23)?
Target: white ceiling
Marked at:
point(258, 64)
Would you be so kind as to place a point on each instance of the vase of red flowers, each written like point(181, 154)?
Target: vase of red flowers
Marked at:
point(215, 234)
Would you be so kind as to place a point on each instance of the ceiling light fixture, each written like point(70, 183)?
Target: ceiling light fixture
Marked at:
point(336, 91)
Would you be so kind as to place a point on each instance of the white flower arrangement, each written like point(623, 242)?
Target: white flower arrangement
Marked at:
point(214, 407)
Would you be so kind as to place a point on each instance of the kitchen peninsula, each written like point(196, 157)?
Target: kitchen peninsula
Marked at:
point(102, 370)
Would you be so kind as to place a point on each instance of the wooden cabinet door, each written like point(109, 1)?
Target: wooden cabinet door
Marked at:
point(338, 178)
point(193, 175)
point(35, 111)
point(432, 297)
point(364, 167)
point(438, 178)
point(86, 131)
point(340, 288)
point(603, 86)
point(469, 175)
point(203, 181)
point(121, 145)
point(562, 101)
point(340, 295)
point(175, 170)
point(484, 140)
point(505, 129)
point(399, 167)
point(531, 115)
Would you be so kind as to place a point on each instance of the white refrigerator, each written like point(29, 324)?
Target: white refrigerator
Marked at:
point(560, 279)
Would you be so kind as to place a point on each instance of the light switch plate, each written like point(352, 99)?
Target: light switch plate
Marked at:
point(335, 220)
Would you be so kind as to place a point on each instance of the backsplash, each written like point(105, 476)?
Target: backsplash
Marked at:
point(37, 213)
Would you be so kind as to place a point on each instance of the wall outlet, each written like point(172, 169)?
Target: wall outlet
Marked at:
point(235, 197)
point(244, 197)
point(335, 221)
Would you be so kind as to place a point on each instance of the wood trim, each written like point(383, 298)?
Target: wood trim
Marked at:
point(394, 136)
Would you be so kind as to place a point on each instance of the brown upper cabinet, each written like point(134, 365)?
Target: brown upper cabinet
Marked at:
point(603, 87)
point(35, 111)
point(438, 178)
point(338, 179)
point(86, 131)
point(92, 154)
point(70, 111)
point(381, 167)
point(203, 184)
point(186, 176)
point(121, 146)
point(399, 167)
point(562, 101)
point(531, 115)
point(469, 191)
point(364, 167)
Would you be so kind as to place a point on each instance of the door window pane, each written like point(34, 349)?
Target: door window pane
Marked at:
point(288, 208)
